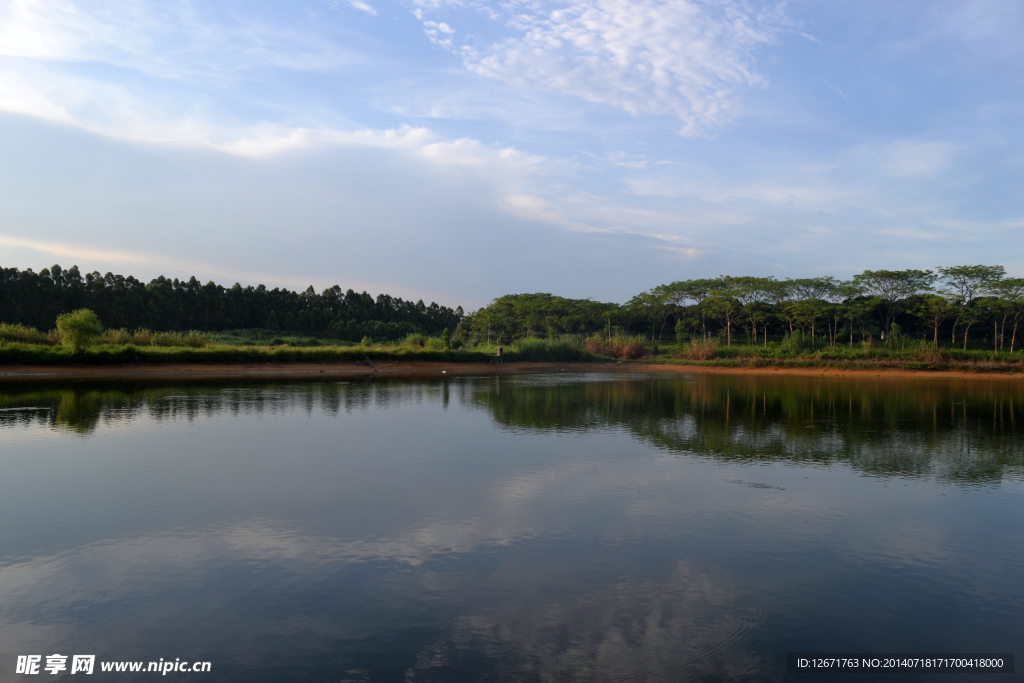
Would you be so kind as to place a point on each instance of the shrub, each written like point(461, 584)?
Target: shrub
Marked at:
point(435, 344)
point(415, 339)
point(365, 341)
point(78, 329)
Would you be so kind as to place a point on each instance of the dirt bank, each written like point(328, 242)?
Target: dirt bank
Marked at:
point(444, 368)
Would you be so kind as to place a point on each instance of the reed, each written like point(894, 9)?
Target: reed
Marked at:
point(554, 350)
point(622, 347)
point(700, 349)
point(26, 335)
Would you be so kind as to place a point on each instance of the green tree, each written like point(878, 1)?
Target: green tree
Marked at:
point(1011, 292)
point(754, 294)
point(655, 307)
point(934, 310)
point(697, 291)
point(856, 310)
point(78, 329)
point(964, 284)
point(446, 338)
point(727, 307)
point(893, 287)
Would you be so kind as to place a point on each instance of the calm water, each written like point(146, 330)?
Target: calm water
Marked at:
point(535, 528)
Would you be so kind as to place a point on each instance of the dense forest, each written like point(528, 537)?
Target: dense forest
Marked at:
point(954, 306)
point(36, 299)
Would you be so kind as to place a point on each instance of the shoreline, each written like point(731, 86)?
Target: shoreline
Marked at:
point(419, 369)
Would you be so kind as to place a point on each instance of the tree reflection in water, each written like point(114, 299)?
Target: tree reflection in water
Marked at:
point(961, 431)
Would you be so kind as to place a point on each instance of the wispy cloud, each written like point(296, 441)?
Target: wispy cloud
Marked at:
point(689, 59)
point(355, 4)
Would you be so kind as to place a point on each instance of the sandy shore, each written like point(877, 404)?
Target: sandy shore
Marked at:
point(442, 368)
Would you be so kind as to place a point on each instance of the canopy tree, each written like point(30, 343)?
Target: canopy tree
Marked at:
point(893, 287)
point(963, 285)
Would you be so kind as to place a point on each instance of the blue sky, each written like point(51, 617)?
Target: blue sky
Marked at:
point(457, 150)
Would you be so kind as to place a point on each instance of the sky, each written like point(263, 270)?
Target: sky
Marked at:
point(458, 150)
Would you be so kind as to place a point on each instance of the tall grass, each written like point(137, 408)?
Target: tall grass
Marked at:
point(555, 350)
point(621, 347)
point(700, 349)
point(897, 352)
point(26, 335)
point(110, 354)
point(415, 340)
point(143, 337)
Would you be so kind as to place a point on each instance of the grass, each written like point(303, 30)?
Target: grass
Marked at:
point(24, 345)
point(910, 354)
point(117, 347)
point(621, 347)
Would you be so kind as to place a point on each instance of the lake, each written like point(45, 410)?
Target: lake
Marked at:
point(560, 527)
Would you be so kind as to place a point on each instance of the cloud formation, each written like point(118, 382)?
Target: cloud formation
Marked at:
point(685, 58)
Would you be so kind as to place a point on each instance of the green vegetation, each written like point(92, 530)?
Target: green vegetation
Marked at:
point(967, 307)
point(796, 351)
point(20, 344)
point(164, 305)
point(965, 317)
point(78, 329)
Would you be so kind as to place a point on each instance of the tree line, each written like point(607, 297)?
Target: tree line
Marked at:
point(163, 304)
point(951, 304)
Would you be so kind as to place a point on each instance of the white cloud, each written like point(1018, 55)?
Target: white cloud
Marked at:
point(439, 33)
point(685, 58)
point(356, 4)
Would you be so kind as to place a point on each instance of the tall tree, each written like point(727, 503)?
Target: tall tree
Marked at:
point(753, 293)
point(964, 284)
point(1011, 291)
point(697, 291)
point(894, 287)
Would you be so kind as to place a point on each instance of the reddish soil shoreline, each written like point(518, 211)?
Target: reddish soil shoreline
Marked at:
point(444, 368)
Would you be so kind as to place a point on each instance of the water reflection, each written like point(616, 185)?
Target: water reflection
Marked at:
point(570, 528)
point(963, 431)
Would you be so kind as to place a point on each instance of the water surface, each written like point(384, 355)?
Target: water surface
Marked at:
point(536, 528)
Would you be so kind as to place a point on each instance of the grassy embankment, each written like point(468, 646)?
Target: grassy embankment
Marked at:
point(22, 345)
point(796, 352)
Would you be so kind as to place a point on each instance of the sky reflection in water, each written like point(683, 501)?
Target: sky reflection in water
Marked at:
point(569, 527)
